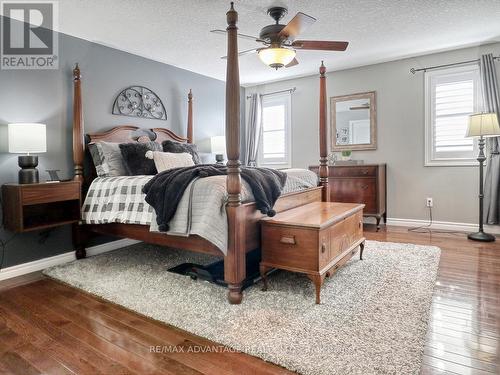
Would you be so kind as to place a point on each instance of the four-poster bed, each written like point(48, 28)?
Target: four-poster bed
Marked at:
point(243, 218)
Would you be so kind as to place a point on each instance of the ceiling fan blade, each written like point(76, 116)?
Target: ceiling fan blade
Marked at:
point(244, 36)
point(292, 63)
point(322, 45)
point(246, 52)
point(297, 25)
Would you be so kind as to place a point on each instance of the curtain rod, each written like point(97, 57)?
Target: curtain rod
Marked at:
point(413, 70)
point(291, 90)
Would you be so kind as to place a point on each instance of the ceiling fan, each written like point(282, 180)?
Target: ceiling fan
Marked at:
point(280, 40)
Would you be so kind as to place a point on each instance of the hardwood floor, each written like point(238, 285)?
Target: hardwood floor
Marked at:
point(49, 328)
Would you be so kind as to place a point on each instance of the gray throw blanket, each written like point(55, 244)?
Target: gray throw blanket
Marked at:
point(165, 190)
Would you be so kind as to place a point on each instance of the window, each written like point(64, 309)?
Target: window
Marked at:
point(451, 95)
point(275, 140)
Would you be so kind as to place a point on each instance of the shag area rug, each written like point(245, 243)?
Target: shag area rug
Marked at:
point(372, 319)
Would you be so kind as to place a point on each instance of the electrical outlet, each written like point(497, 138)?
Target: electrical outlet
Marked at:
point(429, 202)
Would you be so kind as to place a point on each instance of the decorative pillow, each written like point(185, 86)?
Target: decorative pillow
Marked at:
point(169, 160)
point(107, 158)
point(177, 148)
point(135, 161)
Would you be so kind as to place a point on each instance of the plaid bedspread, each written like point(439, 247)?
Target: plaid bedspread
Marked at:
point(200, 211)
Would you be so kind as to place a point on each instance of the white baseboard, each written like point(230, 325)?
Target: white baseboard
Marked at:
point(443, 225)
point(38, 265)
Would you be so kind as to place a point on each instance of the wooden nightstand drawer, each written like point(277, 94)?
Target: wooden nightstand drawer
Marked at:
point(50, 192)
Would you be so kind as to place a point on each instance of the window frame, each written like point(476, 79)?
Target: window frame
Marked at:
point(431, 160)
point(278, 163)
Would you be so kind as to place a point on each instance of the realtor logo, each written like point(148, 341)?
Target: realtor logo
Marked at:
point(28, 39)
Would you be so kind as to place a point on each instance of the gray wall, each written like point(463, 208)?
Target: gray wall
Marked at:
point(400, 106)
point(46, 96)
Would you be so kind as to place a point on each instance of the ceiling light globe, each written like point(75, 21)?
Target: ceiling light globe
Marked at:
point(277, 57)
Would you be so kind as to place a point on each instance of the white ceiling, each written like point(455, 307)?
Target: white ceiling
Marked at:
point(176, 32)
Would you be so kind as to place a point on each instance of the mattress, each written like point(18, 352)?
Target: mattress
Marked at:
point(201, 210)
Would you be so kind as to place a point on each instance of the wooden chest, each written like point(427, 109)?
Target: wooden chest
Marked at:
point(315, 239)
point(364, 183)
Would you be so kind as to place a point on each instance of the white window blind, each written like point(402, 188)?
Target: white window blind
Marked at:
point(451, 96)
point(274, 148)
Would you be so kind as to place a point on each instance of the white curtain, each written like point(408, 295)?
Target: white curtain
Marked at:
point(491, 104)
point(253, 130)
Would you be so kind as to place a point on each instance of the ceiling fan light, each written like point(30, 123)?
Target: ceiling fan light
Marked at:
point(276, 57)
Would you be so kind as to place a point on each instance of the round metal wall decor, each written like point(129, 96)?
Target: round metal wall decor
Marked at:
point(139, 101)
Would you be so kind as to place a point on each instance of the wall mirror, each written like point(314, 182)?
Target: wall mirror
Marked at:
point(354, 122)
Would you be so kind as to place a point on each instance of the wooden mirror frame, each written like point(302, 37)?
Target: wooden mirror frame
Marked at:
point(373, 121)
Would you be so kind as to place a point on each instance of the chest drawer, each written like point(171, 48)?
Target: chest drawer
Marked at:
point(294, 248)
point(355, 190)
point(358, 171)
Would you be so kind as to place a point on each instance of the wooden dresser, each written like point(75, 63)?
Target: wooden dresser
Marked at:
point(364, 183)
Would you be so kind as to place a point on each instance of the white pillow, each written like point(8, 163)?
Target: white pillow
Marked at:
point(169, 160)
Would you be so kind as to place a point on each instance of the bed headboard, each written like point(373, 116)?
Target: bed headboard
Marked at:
point(84, 170)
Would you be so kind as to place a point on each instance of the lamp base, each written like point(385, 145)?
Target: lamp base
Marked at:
point(481, 236)
point(28, 173)
point(219, 158)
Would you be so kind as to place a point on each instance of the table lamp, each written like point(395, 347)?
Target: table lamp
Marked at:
point(218, 147)
point(27, 138)
point(482, 125)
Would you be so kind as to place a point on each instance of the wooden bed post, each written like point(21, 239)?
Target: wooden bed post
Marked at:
point(78, 144)
point(190, 118)
point(78, 155)
point(234, 261)
point(323, 135)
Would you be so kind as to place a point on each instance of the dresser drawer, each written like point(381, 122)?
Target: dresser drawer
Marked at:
point(358, 171)
point(355, 190)
point(52, 192)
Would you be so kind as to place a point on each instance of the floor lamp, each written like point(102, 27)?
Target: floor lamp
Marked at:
point(482, 125)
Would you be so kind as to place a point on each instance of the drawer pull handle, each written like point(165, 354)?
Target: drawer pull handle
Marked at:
point(364, 171)
point(364, 187)
point(323, 247)
point(289, 240)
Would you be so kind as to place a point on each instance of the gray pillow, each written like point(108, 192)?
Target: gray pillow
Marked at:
point(108, 160)
point(177, 147)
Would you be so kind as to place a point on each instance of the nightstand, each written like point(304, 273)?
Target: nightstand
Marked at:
point(28, 207)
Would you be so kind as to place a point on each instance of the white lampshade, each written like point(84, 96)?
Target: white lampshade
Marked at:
point(218, 144)
point(276, 57)
point(27, 138)
point(483, 124)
